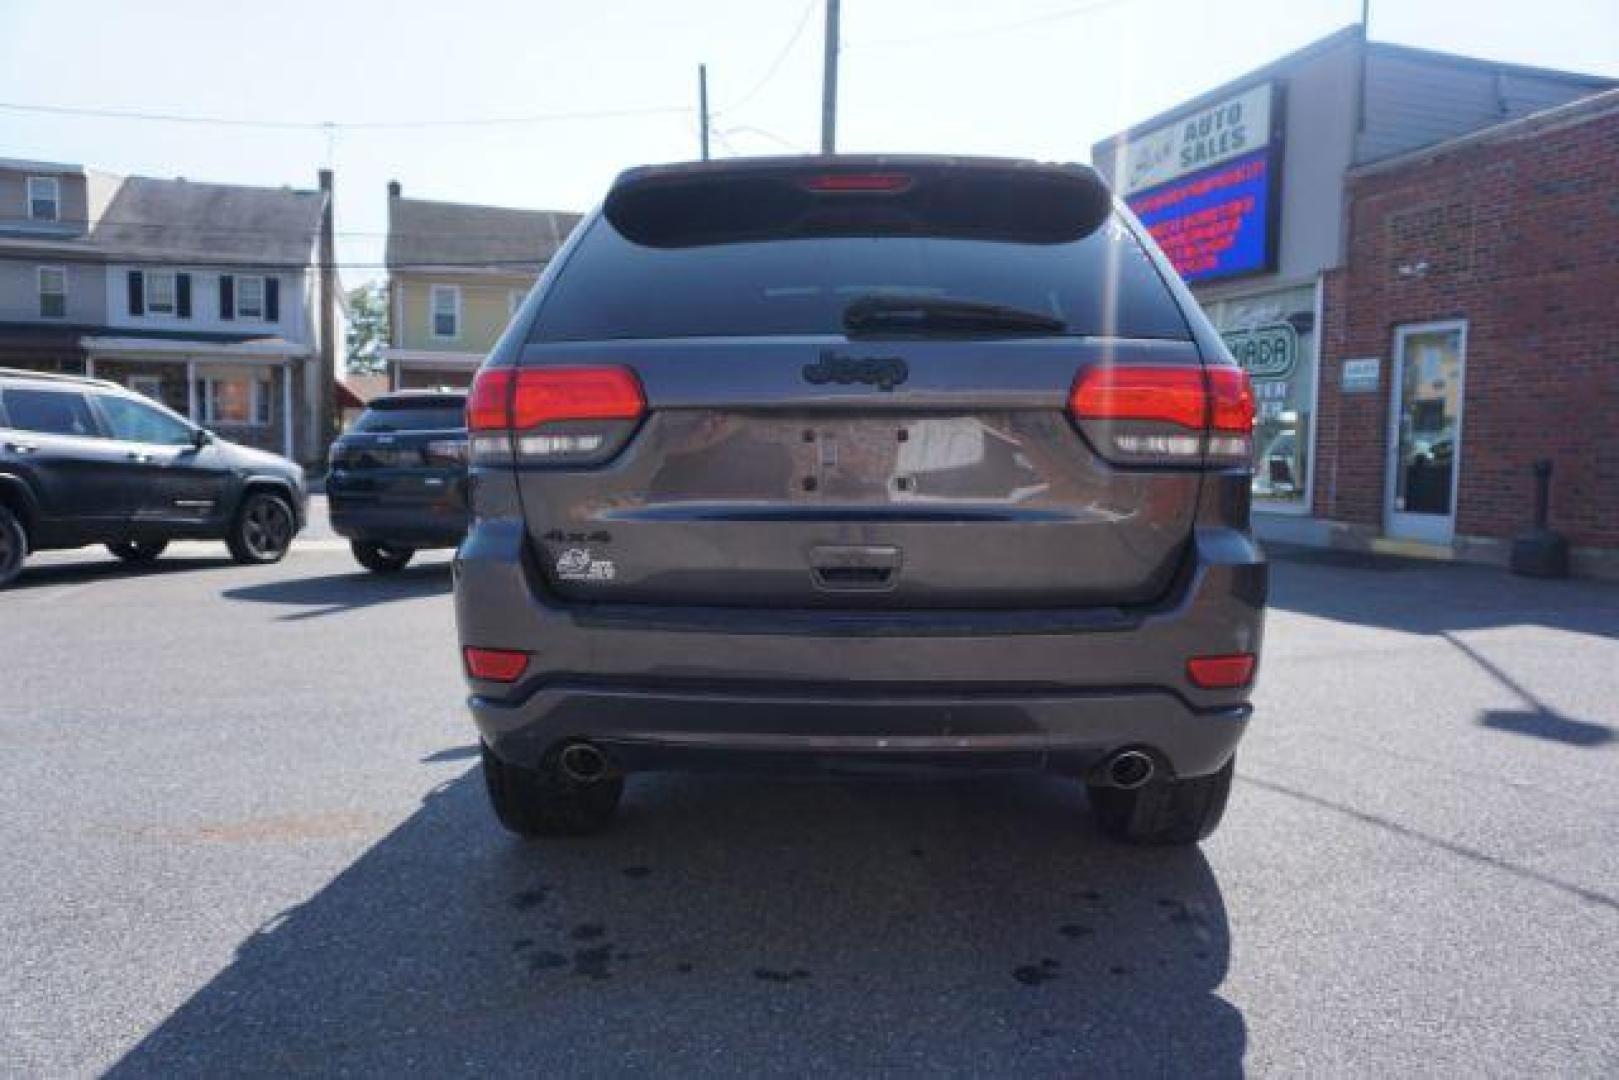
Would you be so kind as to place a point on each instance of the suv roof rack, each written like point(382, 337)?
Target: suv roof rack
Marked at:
point(56, 376)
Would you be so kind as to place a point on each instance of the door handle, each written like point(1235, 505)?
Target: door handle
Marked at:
point(855, 567)
point(137, 456)
point(22, 447)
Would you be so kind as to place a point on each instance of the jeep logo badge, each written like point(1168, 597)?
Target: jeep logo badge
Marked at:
point(883, 372)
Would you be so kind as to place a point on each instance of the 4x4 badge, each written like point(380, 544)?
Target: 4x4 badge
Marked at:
point(883, 372)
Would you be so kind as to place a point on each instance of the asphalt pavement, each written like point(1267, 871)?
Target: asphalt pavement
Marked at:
point(245, 832)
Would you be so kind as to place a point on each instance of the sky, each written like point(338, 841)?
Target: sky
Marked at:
point(617, 81)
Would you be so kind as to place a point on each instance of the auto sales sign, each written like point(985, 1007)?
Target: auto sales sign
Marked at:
point(1205, 185)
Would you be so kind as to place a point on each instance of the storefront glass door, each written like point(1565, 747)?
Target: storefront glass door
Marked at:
point(1425, 431)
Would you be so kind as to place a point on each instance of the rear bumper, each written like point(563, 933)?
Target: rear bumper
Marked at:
point(678, 727)
point(418, 524)
point(684, 687)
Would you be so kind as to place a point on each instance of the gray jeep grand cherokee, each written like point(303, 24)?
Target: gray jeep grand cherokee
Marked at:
point(861, 461)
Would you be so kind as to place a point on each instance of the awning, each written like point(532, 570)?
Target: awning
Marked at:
point(432, 358)
point(257, 351)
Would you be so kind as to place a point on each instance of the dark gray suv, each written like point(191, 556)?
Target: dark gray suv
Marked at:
point(861, 461)
point(396, 480)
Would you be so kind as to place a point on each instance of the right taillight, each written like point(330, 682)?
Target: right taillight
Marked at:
point(553, 415)
point(1231, 415)
point(1165, 415)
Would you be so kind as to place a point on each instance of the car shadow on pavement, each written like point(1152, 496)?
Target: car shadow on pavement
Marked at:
point(736, 924)
point(36, 576)
point(1446, 601)
point(333, 594)
point(1429, 597)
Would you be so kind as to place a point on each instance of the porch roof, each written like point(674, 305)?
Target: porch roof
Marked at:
point(257, 350)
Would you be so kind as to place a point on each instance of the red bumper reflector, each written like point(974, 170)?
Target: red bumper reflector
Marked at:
point(495, 665)
point(1221, 672)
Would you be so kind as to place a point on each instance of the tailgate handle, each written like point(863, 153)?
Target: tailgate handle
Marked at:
point(852, 568)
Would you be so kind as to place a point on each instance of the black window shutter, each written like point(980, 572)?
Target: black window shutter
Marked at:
point(137, 293)
point(182, 295)
point(227, 296)
point(272, 299)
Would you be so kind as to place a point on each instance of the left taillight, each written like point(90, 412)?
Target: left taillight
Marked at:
point(558, 415)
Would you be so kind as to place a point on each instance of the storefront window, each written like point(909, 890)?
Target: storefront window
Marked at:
point(1273, 335)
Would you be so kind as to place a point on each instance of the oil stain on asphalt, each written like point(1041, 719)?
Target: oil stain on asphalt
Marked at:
point(1035, 974)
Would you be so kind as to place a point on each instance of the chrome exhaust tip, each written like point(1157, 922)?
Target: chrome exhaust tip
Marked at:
point(1130, 769)
point(583, 763)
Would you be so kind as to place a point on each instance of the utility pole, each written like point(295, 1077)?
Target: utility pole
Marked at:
point(1360, 75)
point(829, 83)
point(702, 104)
point(325, 396)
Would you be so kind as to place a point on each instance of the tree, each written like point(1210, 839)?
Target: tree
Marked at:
point(368, 328)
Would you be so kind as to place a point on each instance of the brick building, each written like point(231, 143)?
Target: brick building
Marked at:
point(1362, 190)
point(1481, 283)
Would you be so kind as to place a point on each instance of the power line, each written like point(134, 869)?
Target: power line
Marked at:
point(775, 65)
point(248, 230)
point(179, 262)
point(779, 140)
point(333, 125)
point(994, 28)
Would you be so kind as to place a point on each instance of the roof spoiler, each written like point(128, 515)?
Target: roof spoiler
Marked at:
point(756, 199)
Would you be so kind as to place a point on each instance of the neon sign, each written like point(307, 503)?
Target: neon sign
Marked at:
point(1205, 187)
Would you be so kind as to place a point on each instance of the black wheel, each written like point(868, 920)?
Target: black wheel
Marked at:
point(263, 529)
point(13, 546)
point(546, 803)
point(1164, 811)
point(136, 552)
point(381, 558)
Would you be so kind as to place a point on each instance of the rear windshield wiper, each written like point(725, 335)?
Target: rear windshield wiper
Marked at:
point(932, 314)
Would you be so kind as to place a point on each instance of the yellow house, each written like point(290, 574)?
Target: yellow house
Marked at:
point(456, 273)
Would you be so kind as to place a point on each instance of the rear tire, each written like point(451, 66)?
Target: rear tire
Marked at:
point(263, 530)
point(13, 546)
point(138, 552)
point(1164, 812)
point(534, 803)
point(381, 558)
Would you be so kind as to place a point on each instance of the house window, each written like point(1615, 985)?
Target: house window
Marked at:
point(52, 292)
point(44, 198)
point(160, 292)
point(237, 400)
point(147, 386)
point(446, 302)
point(250, 298)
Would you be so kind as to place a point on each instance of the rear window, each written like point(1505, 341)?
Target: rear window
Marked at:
point(782, 271)
point(439, 415)
point(49, 412)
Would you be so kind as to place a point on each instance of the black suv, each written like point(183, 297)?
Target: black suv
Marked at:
point(861, 461)
point(84, 461)
point(396, 480)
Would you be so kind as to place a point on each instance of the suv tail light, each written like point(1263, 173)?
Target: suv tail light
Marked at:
point(1154, 415)
point(573, 415)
